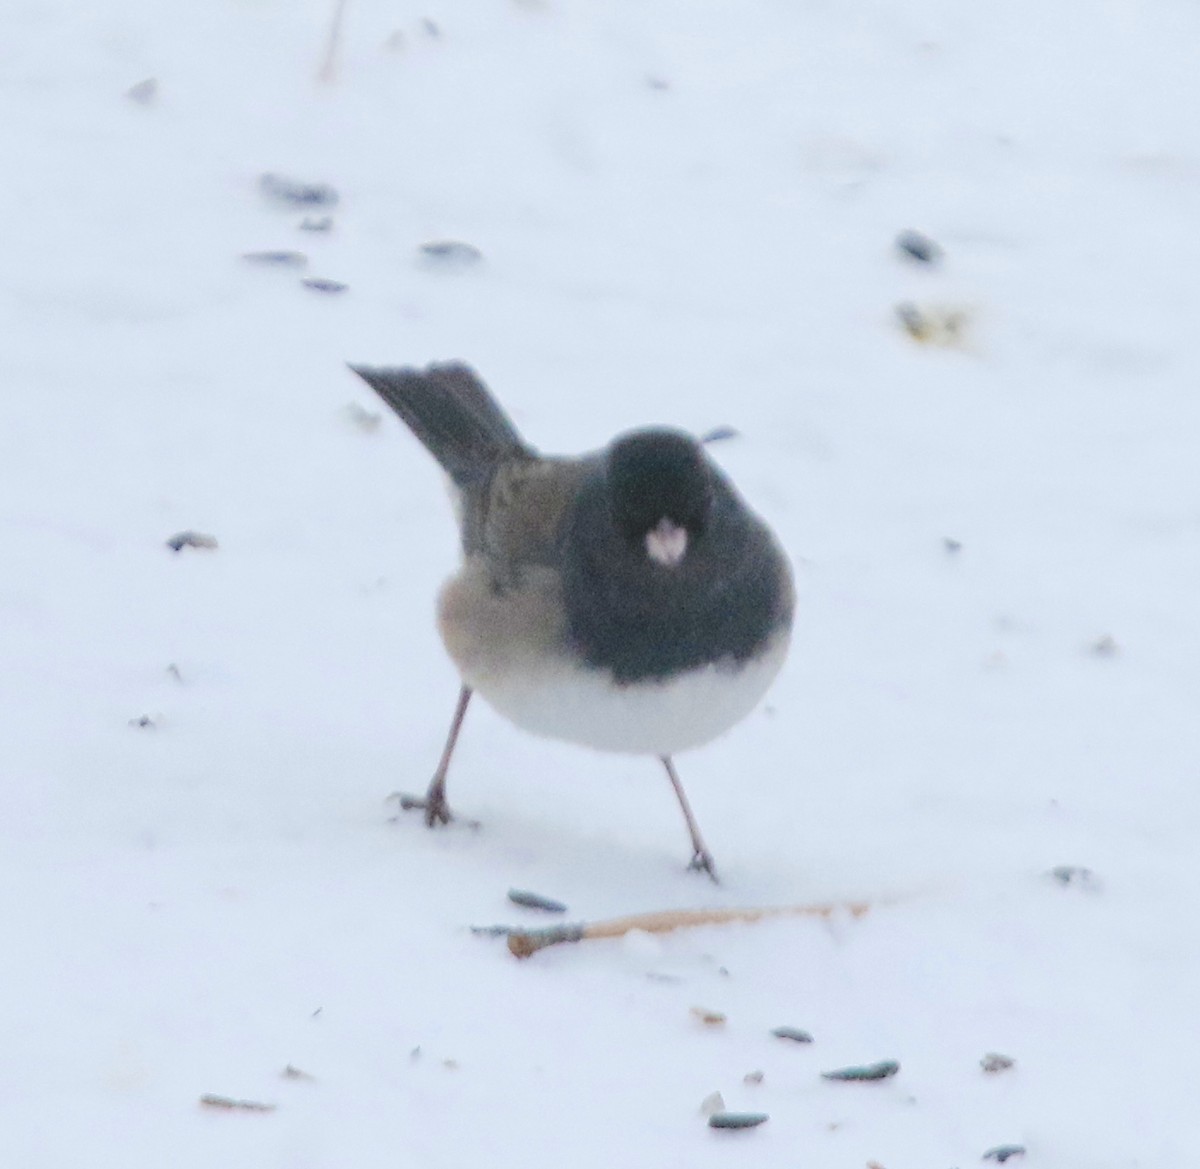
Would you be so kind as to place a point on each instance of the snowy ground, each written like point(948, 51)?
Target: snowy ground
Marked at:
point(687, 215)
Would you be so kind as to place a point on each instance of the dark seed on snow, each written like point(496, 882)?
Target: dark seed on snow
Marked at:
point(737, 1119)
point(1002, 1153)
point(795, 1034)
point(190, 539)
point(530, 900)
point(450, 253)
point(229, 1103)
point(719, 434)
point(951, 544)
point(297, 194)
point(918, 247)
point(994, 1062)
point(144, 92)
point(318, 284)
point(277, 259)
point(317, 223)
point(1075, 877)
point(872, 1071)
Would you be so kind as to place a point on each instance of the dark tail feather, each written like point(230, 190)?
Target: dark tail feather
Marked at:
point(451, 411)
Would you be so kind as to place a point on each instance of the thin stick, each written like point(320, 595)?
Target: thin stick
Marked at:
point(328, 71)
point(526, 943)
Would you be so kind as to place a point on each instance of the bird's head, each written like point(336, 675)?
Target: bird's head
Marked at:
point(660, 485)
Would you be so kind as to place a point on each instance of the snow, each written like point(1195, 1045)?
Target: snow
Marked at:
point(686, 214)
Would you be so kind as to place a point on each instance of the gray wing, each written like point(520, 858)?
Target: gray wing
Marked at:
point(518, 522)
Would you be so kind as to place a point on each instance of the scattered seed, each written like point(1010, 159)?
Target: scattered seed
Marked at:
point(297, 194)
point(143, 721)
point(294, 1073)
point(951, 545)
point(530, 900)
point(795, 1034)
point(451, 1065)
point(713, 1103)
point(319, 284)
point(720, 434)
point(430, 28)
point(1075, 876)
point(365, 420)
point(1002, 1153)
point(144, 92)
point(872, 1071)
point(754, 1077)
point(661, 84)
point(277, 259)
point(173, 670)
point(912, 319)
point(932, 326)
point(737, 1119)
point(231, 1105)
point(450, 254)
point(994, 1062)
point(918, 247)
point(1104, 647)
point(191, 539)
point(317, 223)
point(709, 1018)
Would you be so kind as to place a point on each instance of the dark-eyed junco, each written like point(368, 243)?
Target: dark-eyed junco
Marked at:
point(626, 600)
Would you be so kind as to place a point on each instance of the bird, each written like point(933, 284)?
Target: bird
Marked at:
point(627, 600)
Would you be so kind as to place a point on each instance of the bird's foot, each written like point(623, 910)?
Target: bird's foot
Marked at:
point(434, 805)
point(702, 862)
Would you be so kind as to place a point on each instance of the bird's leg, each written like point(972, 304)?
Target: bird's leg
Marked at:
point(702, 860)
point(433, 803)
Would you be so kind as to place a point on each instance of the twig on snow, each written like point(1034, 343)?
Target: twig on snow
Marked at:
point(526, 943)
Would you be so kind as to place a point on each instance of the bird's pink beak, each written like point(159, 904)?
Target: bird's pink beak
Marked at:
point(666, 543)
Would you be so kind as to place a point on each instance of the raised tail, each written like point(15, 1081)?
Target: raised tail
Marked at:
point(453, 414)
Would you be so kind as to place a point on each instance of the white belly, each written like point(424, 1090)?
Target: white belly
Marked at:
point(563, 701)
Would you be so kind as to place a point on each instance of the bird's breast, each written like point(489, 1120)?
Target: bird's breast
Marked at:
point(512, 648)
